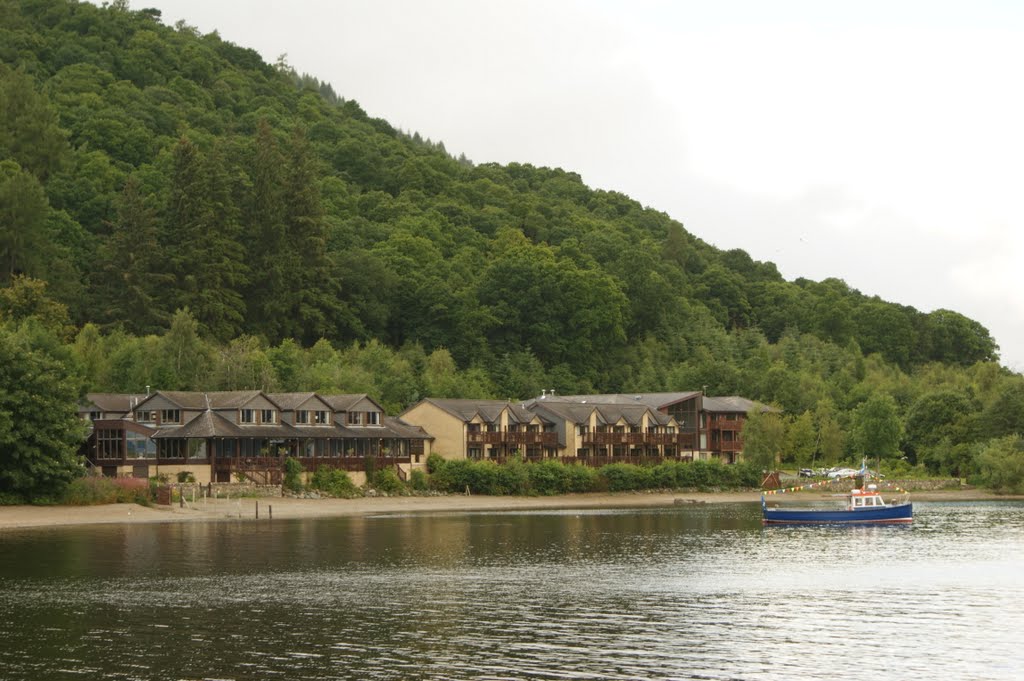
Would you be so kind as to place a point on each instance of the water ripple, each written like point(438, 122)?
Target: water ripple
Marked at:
point(693, 593)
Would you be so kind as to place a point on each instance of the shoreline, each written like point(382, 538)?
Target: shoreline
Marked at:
point(285, 508)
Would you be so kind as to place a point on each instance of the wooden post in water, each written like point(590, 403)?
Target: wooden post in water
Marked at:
point(257, 509)
point(270, 512)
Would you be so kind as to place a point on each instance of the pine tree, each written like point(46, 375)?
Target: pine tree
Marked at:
point(130, 288)
point(268, 245)
point(205, 255)
point(313, 290)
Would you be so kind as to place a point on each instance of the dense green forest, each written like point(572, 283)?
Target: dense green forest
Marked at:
point(179, 214)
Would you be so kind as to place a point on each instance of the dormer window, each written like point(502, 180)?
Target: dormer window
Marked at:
point(373, 418)
point(302, 417)
point(247, 416)
point(355, 418)
point(268, 416)
point(170, 416)
point(322, 418)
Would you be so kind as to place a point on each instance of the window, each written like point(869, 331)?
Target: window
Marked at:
point(172, 449)
point(95, 416)
point(268, 416)
point(146, 417)
point(170, 416)
point(247, 416)
point(196, 449)
point(355, 418)
point(322, 418)
point(583, 430)
point(139, 446)
point(373, 418)
point(302, 417)
point(108, 443)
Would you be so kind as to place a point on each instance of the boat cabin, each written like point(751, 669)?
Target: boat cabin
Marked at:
point(865, 498)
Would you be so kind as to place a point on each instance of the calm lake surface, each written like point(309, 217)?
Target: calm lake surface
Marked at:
point(686, 592)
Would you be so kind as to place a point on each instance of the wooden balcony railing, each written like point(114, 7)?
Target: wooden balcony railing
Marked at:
point(725, 424)
point(530, 438)
point(686, 440)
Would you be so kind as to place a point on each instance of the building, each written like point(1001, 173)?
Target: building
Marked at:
point(484, 429)
point(245, 435)
point(591, 429)
point(722, 422)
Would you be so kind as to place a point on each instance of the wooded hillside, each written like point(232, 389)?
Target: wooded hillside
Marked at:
point(211, 221)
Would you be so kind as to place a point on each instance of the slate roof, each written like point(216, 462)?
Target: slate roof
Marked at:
point(233, 399)
point(489, 410)
point(207, 424)
point(405, 430)
point(608, 413)
point(652, 400)
point(112, 403)
point(733, 403)
point(290, 401)
point(346, 402)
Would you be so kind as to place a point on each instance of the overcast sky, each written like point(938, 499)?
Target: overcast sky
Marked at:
point(878, 142)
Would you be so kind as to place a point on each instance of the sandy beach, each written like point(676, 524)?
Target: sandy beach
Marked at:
point(17, 517)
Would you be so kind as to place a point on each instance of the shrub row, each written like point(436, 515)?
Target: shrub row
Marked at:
point(92, 489)
point(554, 477)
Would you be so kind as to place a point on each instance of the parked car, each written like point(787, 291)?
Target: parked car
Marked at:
point(843, 473)
point(806, 473)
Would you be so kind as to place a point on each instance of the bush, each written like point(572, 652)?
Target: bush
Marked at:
point(334, 482)
point(387, 480)
point(513, 478)
point(418, 481)
point(292, 474)
point(1000, 464)
point(434, 462)
point(11, 499)
point(622, 477)
point(92, 490)
point(580, 478)
point(549, 477)
point(186, 476)
point(449, 476)
point(554, 477)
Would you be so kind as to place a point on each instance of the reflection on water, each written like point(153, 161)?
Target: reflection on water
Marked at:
point(684, 592)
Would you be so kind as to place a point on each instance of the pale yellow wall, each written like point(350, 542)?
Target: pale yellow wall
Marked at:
point(448, 431)
point(201, 471)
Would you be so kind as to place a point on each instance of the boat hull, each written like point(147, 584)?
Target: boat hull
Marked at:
point(901, 513)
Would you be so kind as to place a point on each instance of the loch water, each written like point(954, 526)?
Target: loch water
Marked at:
point(683, 592)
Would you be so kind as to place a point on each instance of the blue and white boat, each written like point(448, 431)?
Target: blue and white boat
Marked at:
point(864, 506)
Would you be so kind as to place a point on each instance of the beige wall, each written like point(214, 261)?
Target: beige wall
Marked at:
point(201, 471)
point(449, 432)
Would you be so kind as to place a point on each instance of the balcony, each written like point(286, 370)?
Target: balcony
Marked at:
point(684, 440)
point(732, 446)
point(725, 424)
point(542, 439)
